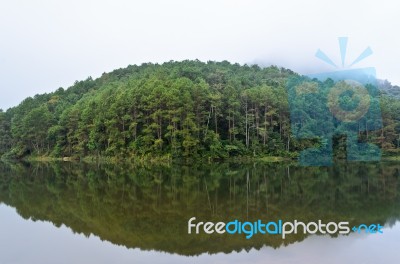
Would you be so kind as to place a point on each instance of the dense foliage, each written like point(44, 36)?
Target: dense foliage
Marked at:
point(177, 109)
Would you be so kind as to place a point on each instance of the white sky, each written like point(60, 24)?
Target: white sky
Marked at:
point(49, 44)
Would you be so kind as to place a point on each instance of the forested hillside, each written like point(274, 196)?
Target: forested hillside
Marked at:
point(177, 109)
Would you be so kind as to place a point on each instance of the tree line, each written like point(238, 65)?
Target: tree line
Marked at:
point(187, 109)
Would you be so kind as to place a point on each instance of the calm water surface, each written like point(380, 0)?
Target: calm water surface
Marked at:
point(77, 213)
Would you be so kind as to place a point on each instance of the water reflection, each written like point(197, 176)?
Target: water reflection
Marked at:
point(147, 207)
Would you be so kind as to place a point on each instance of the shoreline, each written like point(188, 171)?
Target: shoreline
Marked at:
point(151, 160)
point(167, 159)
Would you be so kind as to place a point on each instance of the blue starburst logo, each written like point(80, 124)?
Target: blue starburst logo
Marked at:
point(342, 102)
point(343, 50)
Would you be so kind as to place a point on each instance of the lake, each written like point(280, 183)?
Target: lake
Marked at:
point(86, 213)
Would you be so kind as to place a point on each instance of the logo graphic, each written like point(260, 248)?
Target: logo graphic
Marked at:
point(280, 228)
point(341, 102)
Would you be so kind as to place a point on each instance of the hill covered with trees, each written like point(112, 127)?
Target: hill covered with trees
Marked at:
point(187, 109)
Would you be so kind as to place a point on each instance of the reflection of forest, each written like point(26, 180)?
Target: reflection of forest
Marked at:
point(148, 207)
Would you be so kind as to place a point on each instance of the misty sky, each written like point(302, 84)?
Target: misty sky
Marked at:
point(49, 44)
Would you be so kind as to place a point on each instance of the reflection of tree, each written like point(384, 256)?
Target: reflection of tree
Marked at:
point(148, 207)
